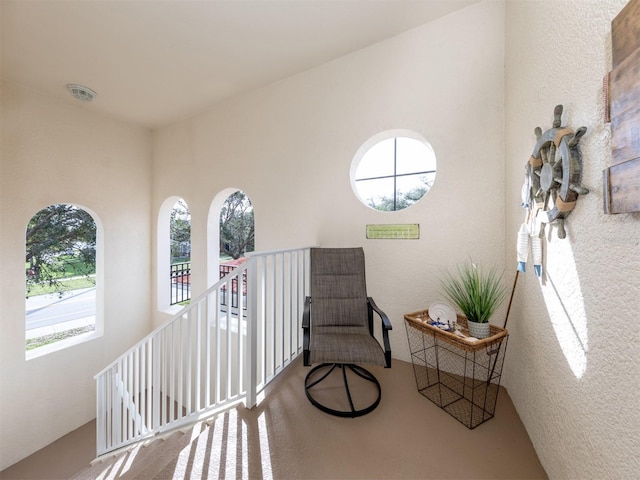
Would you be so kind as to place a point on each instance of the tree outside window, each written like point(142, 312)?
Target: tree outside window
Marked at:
point(180, 232)
point(236, 226)
point(60, 265)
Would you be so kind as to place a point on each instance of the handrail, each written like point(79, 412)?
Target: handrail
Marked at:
point(274, 252)
point(176, 317)
point(209, 354)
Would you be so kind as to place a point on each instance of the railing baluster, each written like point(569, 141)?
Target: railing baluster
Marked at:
point(210, 306)
point(109, 409)
point(240, 354)
point(171, 371)
point(228, 374)
point(289, 315)
point(252, 334)
point(109, 402)
point(129, 401)
point(262, 313)
point(142, 392)
point(280, 319)
point(100, 416)
point(198, 378)
point(180, 390)
point(163, 379)
point(148, 386)
point(217, 367)
point(155, 382)
point(189, 372)
point(117, 401)
point(273, 341)
point(291, 297)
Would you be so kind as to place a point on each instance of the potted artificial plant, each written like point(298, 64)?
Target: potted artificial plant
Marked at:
point(477, 293)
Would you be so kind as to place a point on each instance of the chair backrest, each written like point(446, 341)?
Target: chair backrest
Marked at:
point(338, 288)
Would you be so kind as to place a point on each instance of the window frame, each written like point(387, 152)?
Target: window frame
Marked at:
point(372, 142)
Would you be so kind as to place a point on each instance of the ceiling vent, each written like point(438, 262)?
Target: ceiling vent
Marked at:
point(81, 92)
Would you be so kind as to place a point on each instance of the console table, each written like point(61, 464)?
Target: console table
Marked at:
point(459, 375)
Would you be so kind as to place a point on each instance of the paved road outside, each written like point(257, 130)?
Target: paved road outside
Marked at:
point(51, 313)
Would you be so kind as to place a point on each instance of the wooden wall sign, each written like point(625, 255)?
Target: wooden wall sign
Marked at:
point(394, 232)
point(621, 181)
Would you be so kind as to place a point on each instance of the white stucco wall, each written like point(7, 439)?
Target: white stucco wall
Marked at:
point(289, 146)
point(56, 152)
point(572, 366)
point(475, 84)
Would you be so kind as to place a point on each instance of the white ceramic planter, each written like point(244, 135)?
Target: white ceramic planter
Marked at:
point(479, 330)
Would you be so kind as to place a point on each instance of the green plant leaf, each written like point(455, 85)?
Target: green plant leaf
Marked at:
point(476, 292)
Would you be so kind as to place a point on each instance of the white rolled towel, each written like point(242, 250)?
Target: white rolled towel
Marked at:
point(522, 247)
point(536, 254)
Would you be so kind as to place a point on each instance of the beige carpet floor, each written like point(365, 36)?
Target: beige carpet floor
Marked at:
point(285, 437)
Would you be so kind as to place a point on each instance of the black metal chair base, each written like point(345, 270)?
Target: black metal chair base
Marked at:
point(358, 370)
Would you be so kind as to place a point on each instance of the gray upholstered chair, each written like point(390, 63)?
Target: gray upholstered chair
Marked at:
point(338, 326)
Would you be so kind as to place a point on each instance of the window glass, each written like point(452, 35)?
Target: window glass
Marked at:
point(393, 170)
point(413, 156)
point(375, 161)
point(378, 192)
point(180, 253)
point(60, 265)
point(237, 231)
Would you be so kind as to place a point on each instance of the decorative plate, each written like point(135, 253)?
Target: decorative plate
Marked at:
point(442, 313)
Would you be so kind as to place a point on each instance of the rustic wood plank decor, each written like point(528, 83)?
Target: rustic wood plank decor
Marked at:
point(621, 181)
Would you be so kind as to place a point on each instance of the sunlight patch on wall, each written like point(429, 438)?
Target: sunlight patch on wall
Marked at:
point(565, 304)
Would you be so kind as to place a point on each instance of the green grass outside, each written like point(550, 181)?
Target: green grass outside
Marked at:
point(175, 260)
point(73, 266)
point(56, 337)
point(63, 286)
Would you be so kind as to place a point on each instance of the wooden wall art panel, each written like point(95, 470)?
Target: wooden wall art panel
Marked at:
point(621, 181)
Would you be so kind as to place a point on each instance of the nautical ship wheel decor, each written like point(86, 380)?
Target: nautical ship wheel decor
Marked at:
point(551, 186)
point(554, 173)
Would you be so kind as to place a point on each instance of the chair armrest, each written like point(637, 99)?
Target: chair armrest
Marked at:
point(386, 326)
point(306, 331)
point(306, 314)
point(386, 323)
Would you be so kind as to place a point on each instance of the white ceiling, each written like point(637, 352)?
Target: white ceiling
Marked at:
point(157, 62)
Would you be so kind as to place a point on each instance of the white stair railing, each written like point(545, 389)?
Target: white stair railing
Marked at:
point(209, 355)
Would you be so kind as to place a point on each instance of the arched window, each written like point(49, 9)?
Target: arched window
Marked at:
point(393, 170)
point(173, 253)
point(62, 265)
point(180, 252)
point(236, 226)
point(230, 232)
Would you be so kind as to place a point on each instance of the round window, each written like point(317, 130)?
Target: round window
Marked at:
point(393, 170)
